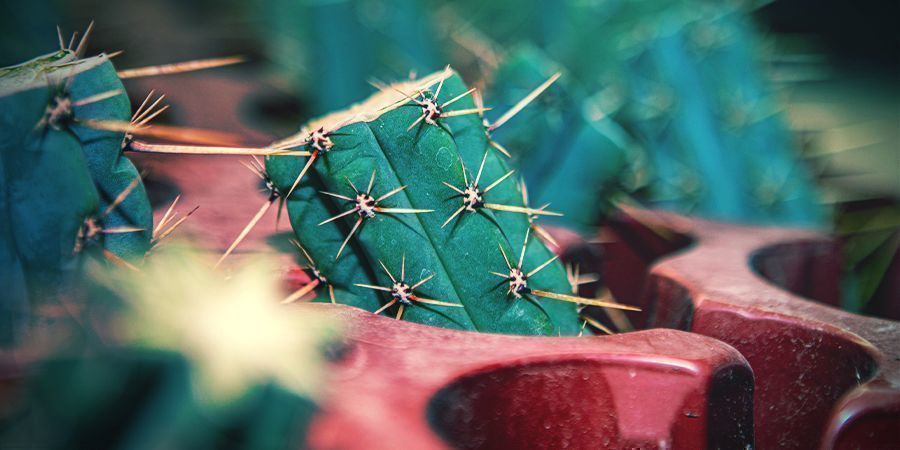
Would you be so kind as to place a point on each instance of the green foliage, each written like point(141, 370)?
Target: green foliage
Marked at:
point(374, 136)
point(56, 174)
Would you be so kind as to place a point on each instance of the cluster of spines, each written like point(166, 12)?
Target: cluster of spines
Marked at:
point(60, 114)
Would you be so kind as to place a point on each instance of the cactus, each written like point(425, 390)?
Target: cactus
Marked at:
point(572, 155)
point(680, 77)
point(403, 203)
point(346, 43)
point(176, 363)
point(66, 189)
point(65, 185)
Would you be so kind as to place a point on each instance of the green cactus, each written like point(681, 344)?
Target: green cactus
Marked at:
point(65, 185)
point(405, 192)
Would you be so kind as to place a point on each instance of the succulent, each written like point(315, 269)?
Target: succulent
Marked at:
point(680, 80)
point(66, 186)
point(404, 203)
point(346, 43)
point(573, 156)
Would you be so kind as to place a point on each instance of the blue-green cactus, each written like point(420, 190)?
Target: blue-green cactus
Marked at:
point(66, 188)
point(405, 202)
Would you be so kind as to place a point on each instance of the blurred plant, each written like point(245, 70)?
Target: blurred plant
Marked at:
point(185, 358)
point(871, 243)
point(681, 78)
point(65, 185)
point(330, 49)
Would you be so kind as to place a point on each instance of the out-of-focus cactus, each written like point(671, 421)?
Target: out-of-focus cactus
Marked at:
point(330, 50)
point(572, 155)
point(66, 188)
point(405, 194)
point(681, 77)
point(182, 358)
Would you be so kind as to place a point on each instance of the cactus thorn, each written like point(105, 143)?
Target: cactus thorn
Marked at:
point(300, 293)
point(518, 282)
point(82, 44)
point(402, 292)
point(539, 230)
point(163, 229)
point(473, 196)
point(62, 44)
point(97, 97)
point(432, 111)
point(273, 195)
point(186, 66)
point(366, 206)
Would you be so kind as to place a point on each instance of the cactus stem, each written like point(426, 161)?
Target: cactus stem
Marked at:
point(432, 110)
point(181, 67)
point(90, 228)
point(300, 293)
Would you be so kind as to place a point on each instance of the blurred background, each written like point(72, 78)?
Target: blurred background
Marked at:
point(779, 112)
